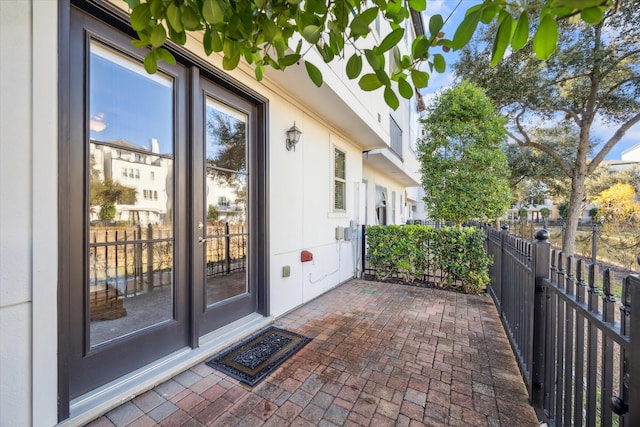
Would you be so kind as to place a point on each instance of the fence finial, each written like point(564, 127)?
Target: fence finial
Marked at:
point(542, 235)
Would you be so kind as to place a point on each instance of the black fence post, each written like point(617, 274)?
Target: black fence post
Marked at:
point(227, 242)
point(502, 265)
point(150, 269)
point(364, 247)
point(594, 244)
point(633, 287)
point(541, 270)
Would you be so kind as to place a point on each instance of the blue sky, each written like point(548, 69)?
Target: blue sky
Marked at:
point(437, 82)
point(128, 104)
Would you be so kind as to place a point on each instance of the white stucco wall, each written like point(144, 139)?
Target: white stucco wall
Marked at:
point(28, 212)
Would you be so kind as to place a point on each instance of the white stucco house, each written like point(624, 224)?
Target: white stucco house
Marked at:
point(104, 295)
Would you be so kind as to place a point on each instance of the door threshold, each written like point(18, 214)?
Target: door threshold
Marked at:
point(90, 406)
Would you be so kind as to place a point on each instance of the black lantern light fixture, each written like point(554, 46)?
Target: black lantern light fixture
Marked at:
point(293, 137)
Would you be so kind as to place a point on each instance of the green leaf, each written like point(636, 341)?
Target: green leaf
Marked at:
point(314, 73)
point(150, 64)
point(166, 56)
point(592, 15)
point(259, 72)
point(207, 41)
point(395, 60)
point(354, 66)
point(405, 88)
point(372, 59)
point(419, 78)
point(288, 60)
point(212, 12)
point(231, 62)
point(139, 44)
point(420, 47)
point(418, 5)
point(315, 6)
point(190, 19)
point(326, 52)
point(488, 13)
point(158, 36)
point(132, 3)
point(577, 4)
point(140, 17)
point(336, 42)
point(521, 33)
point(391, 98)
point(231, 55)
point(435, 25)
point(546, 38)
point(439, 63)
point(177, 37)
point(360, 24)
point(216, 42)
point(369, 82)
point(391, 40)
point(466, 29)
point(502, 40)
point(280, 47)
point(383, 77)
point(269, 29)
point(311, 33)
point(174, 17)
point(157, 8)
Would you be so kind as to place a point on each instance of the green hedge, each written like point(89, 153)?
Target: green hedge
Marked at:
point(456, 256)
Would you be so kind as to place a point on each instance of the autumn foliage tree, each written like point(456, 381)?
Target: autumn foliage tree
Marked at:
point(620, 210)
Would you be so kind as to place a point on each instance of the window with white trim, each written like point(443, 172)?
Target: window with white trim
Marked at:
point(339, 180)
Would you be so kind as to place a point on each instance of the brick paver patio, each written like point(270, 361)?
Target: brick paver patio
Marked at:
point(381, 355)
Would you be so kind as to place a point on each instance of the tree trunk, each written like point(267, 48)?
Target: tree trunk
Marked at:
point(575, 212)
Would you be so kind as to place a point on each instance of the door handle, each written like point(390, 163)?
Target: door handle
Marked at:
point(201, 240)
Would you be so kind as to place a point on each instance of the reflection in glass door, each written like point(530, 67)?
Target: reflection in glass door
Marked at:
point(225, 208)
point(124, 184)
point(226, 231)
point(130, 260)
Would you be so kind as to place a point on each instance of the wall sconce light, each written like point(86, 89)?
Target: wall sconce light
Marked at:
point(293, 137)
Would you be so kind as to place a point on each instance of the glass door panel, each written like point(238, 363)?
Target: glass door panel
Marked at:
point(130, 235)
point(226, 235)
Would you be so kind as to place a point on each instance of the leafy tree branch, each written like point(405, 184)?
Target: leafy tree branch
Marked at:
point(279, 33)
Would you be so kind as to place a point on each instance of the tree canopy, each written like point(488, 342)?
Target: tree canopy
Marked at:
point(464, 170)
point(278, 34)
point(593, 76)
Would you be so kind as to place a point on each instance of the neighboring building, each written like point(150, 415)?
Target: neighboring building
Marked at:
point(533, 212)
point(631, 154)
point(628, 159)
point(95, 311)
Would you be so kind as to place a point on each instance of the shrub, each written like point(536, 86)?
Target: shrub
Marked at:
point(413, 252)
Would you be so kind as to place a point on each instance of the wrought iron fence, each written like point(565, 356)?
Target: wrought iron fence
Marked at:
point(130, 260)
point(226, 249)
point(125, 261)
point(577, 346)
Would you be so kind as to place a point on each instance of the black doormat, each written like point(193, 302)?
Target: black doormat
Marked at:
point(254, 358)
